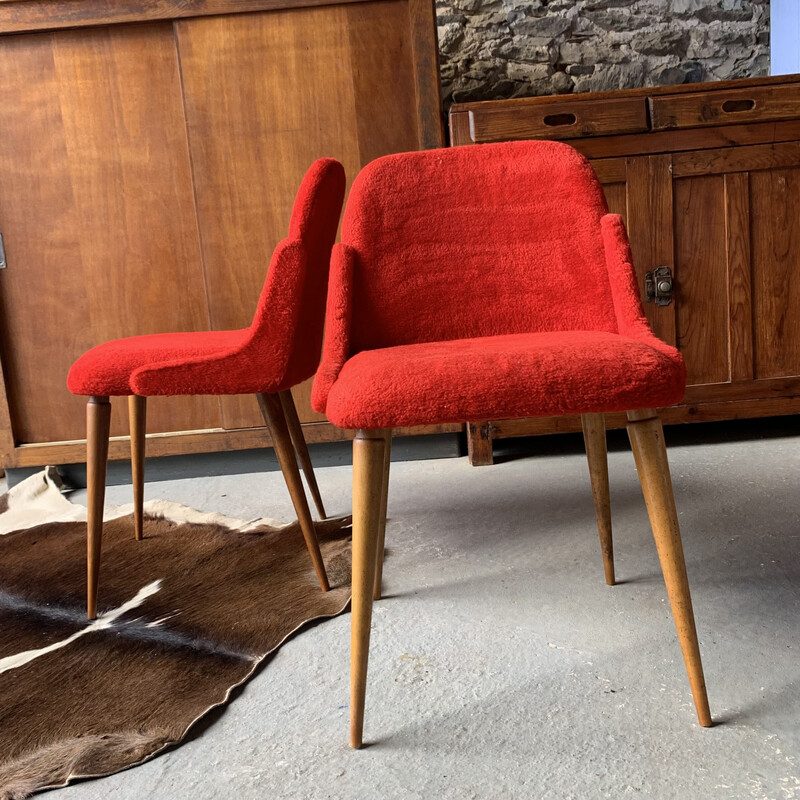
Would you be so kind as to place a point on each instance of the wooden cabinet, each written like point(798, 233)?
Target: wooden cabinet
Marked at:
point(710, 190)
point(149, 157)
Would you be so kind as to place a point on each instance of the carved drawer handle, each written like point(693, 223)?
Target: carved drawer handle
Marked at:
point(556, 120)
point(737, 106)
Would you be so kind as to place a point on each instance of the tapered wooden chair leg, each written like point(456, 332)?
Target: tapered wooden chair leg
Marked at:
point(594, 436)
point(98, 421)
point(137, 415)
point(647, 440)
point(387, 458)
point(301, 448)
point(272, 410)
point(369, 448)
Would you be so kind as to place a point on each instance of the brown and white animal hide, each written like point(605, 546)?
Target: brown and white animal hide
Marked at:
point(186, 615)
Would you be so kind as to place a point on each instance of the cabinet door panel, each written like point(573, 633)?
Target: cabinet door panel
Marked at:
point(701, 297)
point(266, 94)
point(775, 225)
point(738, 251)
point(650, 228)
point(97, 213)
point(617, 199)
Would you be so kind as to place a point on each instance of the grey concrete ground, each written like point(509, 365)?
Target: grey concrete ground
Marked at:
point(502, 666)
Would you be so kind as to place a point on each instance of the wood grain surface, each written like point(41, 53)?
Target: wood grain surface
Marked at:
point(739, 264)
point(737, 159)
point(97, 214)
point(744, 104)
point(570, 118)
point(775, 199)
point(701, 297)
point(18, 16)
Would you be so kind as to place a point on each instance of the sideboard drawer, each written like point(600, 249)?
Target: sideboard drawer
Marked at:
point(560, 119)
point(729, 107)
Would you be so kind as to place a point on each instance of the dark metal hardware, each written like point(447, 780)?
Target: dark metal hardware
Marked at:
point(658, 286)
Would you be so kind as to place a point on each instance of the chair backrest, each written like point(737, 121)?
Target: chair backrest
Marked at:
point(476, 241)
point(307, 251)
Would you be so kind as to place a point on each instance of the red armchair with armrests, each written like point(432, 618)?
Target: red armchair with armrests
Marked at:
point(489, 282)
point(279, 350)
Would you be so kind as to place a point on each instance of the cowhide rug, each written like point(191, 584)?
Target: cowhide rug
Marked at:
point(185, 616)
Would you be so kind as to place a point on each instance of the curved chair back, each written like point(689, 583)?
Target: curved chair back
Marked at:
point(296, 286)
point(477, 241)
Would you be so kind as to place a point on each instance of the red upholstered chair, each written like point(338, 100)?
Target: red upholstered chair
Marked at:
point(280, 349)
point(489, 282)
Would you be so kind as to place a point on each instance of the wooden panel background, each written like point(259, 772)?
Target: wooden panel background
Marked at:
point(617, 199)
point(701, 296)
point(775, 198)
point(649, 219)
point(27, 15)
point(702, 109)
point(97, 213)
point(265, 95)
point(739, 260)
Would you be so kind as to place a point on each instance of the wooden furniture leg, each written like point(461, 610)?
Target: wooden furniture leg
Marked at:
point(594, 437)
point(369, 449)
point(387, 458)
point(479, 444)
point(647, 440)
point(301, 448)
point(137, 416)
point(98, 422)
point(272, 410)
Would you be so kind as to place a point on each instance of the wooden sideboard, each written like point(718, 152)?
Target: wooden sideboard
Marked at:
point(707, 178)
point(149, 156)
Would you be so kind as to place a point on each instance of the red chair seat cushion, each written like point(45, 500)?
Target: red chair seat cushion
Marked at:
point(504, 377)
point(111, 368)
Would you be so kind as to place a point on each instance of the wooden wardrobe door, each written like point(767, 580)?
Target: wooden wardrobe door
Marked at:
point(97, 215)
point(266, 94)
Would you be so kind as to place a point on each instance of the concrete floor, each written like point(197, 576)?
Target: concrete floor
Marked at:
point(502, 666)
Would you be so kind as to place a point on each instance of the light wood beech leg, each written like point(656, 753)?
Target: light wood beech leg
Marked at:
point(368, 469)
point(301, 448)
point(387, 458)
point(137, 415)
point(594, 437)
point(647, 440)
point(272, 410)
point(98, 421)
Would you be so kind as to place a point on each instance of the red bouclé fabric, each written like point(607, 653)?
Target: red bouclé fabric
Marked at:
point(280, 349)
point(485, 282)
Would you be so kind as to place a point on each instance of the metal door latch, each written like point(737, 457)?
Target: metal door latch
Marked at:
point(2, 253)
point(658, 286)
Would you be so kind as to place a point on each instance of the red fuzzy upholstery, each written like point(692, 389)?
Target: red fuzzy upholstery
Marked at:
point(280, 349)
point(485, 282)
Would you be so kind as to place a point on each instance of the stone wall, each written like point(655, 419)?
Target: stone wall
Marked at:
point(509, 48)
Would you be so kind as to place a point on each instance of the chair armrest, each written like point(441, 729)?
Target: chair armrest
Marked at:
point(631, 320)
point(336, 348)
